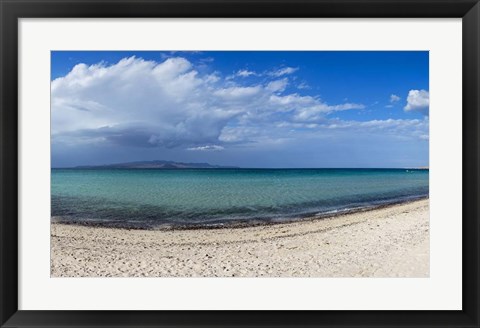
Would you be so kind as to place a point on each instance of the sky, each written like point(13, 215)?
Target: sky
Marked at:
point(265, 109)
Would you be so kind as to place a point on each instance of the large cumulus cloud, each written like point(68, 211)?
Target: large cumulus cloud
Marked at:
point(418, 100)
point(169, 104)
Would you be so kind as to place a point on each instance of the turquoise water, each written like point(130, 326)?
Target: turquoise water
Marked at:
point(152, 198)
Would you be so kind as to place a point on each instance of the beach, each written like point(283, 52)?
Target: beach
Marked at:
point(391, 241)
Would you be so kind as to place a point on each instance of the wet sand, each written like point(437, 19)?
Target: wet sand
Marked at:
point(387, 242)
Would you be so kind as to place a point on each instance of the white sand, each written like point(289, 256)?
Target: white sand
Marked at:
point(387, 242)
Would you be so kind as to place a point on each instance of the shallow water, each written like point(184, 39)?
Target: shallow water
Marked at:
point(149, 198)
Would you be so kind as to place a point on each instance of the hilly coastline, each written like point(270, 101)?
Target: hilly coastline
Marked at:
point(158, 164)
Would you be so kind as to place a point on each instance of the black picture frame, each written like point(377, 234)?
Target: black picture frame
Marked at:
point(11, 11)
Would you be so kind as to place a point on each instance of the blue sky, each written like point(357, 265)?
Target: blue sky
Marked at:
point(248, 109)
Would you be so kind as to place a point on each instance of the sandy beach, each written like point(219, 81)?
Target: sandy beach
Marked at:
point(386, 242)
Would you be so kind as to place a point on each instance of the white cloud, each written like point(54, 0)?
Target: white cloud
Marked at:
point(394, 98)
point(236, 93)
point(404, 128)
point(418, 100)
point(283, 71)
point(137, 102)
point(278, 85)
point(245, 73)
point(207, 148)
point(310, 104)
point(140, 103)
point(317, 112)
point(275, 73)
point(242, 73)
point(212, 78)
point(303, 85)
point(269, 132)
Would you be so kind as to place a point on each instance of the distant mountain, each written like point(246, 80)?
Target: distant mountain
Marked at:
point(154, 165)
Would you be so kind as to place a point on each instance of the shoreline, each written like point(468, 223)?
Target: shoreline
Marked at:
point(392, 241)
point(243, 223)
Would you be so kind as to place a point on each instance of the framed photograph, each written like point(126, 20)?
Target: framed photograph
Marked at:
point(239, 164)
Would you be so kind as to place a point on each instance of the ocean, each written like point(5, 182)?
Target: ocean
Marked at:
point(191, 198)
